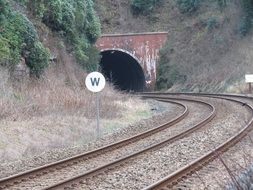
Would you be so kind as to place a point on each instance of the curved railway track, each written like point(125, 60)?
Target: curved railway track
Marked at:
point(80, 179)
point(17, 181)
point(183, 173)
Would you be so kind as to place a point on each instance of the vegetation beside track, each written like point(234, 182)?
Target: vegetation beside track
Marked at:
point(75, 22)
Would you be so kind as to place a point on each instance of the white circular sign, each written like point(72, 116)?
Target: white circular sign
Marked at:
point(95, 82)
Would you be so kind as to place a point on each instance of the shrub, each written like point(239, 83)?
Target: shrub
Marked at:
point(22, 2)
point(187, 6)
point(222, 3)
point(4, 9)
point(143, 6)
point(5, 52)
point(77, 21)
point(80, 53)
point(53, 15)
point(248, 7)
point(38, 59)
point(35, 7)
point(210, 23)
point(168, 73)
point(245, 25)
point(20, 34)
point(68, 17)
point(19, 37)
point(246, 21)
point(93, 26)
point(93, 58)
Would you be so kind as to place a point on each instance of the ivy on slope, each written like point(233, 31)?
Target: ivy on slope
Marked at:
point(76, 21)
point(18, 37)
point(144, 6)
point(168, 72)
point(246, 21)
point(190, 6)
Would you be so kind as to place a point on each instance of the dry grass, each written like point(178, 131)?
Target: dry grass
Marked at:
point(57, 111)
point(38, 116)
point(41, 98)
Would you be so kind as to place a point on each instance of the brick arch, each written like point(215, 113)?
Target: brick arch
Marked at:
point(144, 47)
point(122, 69)
point(122, 50)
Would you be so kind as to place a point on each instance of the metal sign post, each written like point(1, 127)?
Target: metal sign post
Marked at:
point(97, 106)
point(249, 79)
point(95, 82)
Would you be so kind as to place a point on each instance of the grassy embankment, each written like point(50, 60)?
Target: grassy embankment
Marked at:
point(52, 108)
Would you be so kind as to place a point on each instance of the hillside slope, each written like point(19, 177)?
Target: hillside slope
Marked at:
point(48, 107)
point(205, 49)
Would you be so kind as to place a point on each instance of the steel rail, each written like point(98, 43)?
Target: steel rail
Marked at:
point(7, 182)
point(74, 181)
point(196, 94)
point(173, 179)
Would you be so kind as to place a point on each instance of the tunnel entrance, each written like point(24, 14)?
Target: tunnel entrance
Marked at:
point(122, 70)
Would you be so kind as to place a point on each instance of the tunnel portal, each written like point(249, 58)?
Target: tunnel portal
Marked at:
point(122, 70)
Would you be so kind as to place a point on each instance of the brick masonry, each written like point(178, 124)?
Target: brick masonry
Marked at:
point(144, 47)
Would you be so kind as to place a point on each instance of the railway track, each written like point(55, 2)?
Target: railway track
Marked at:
point(81, 181)
point(175, 178)
point(27, 179)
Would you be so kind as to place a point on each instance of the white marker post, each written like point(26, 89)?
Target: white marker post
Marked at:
point(95, 82)
point(249, 79)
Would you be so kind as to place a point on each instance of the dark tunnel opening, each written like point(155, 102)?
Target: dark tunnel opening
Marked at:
point(122, 70)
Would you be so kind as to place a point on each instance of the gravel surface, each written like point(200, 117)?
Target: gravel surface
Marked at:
point(216, 176)
point(197, 113)
point(238, 160)
point(150, 167)
point(162, 112)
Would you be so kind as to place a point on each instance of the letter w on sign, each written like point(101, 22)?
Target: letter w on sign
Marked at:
point(94, 81)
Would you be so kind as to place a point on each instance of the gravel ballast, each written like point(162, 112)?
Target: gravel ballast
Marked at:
point(150, 167)
point(238, 161)
point(161, 113)
point(197, 113)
